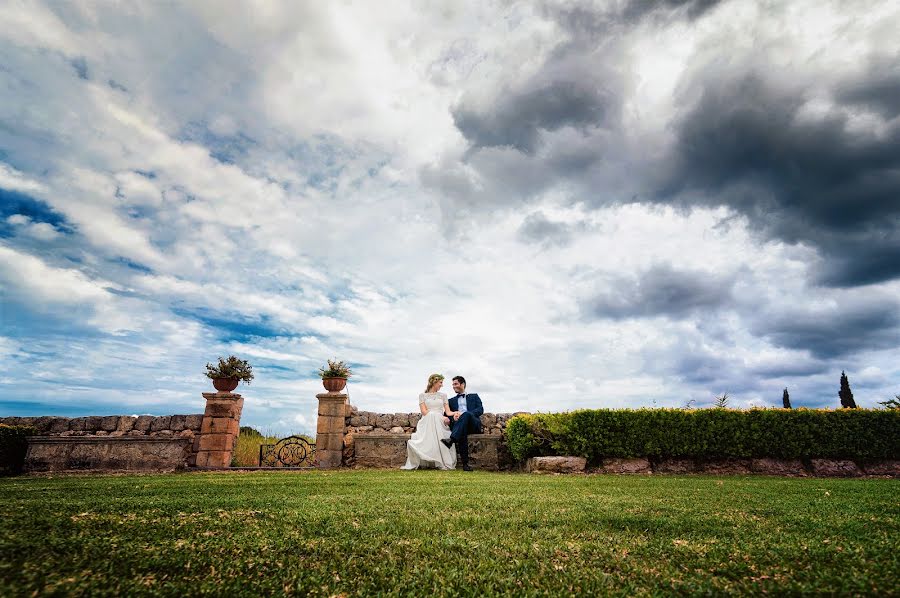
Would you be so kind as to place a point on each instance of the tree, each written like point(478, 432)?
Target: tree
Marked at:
point(891, 403)
point(845, 394)
point(786, 399)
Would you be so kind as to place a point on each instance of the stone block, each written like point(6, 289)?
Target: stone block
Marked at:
point(380, 450)
point(125, 423)
point(160, 423)
point(384, 421)
point(109, 423)
point(163, 433)
point(193, 422)
point(136, 433)
point(186, 434)
point(329, 459)
point(330, 425)
point(220, 425)
point(232, 396)
point(101, 433)
point(41, 424)
point(400, 420)
point(843, 468)
point(357, 421)
point(362, 429)
point(214, 459)
point(397, 430)
point(216, 442)
point(779, 467)
point(93, 423)
point(176, 424)
point(58, 425)
point(333, 407)
point(330, 442)
point(631, 466)
point(488, 420)
point(886, 467)
point(483, 452)
point(77, 424)
point(675, 466)
point(226, 407)
point(556, 464)
point(414, 419)
point(724, 466)
point(142, 423)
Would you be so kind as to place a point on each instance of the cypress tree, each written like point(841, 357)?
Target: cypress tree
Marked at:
point(786, 399)
point(845, 394)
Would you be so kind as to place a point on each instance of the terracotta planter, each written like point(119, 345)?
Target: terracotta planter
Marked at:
point(225, 384)
point(334, 384)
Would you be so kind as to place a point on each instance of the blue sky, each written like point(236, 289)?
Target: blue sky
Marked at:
point(575, 205)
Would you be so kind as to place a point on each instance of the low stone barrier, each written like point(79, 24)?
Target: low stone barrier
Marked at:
point(142, 442)
point(386, 450)
point(378, 440)
point(60, 453)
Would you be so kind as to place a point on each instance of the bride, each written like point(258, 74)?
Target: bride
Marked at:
point(424, 448)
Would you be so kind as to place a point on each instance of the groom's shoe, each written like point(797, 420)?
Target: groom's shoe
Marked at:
point(467, 467)
point(448, 442)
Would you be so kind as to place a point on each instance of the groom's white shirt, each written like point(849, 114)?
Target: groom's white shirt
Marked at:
point(462, 403)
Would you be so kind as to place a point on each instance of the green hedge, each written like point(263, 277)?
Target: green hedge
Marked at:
point(708, 433)
point(12, 448)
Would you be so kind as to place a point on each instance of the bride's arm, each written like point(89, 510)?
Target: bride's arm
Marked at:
point(422, 406)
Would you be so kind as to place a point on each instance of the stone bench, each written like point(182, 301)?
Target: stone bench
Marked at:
point(486, 451)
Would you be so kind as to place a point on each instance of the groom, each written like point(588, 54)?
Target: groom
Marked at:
point(466, 419)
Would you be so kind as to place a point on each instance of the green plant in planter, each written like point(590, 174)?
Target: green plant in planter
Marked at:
point(335, 369)
point(233, 368)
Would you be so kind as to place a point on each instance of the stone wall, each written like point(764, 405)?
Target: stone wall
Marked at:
point(379, 440)
point(141, 442)
point(98, 442)
point(182, 426)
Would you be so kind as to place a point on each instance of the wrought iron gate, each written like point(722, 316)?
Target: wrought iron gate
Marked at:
point(293, 451)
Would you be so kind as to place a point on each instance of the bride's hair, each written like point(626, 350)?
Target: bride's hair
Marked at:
point(431, 380)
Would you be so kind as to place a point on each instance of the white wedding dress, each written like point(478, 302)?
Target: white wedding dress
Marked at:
point(424, 448)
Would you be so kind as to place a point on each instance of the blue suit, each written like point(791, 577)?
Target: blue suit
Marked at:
point(468, 423)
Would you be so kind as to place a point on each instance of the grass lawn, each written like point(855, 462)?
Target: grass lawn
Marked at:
point(446, 533)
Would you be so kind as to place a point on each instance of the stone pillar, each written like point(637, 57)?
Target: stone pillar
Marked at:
point(333, 408)
point(219, 430)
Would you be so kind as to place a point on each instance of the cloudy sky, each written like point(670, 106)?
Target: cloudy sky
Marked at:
point(573, 204)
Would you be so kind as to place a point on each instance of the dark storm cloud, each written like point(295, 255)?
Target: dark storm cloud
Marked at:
point(748, 135)
point(517, 119)
point(748, 144)
point(661, 291)
point(878, 88)
point(692, 9)
point(789, 368)
point(834, 333)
